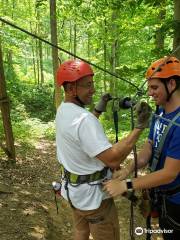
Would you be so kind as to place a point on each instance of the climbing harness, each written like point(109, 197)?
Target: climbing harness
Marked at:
point(75, 180)
point(158, 151)
point(88, 178)
point(165, 194)
point(157, 196)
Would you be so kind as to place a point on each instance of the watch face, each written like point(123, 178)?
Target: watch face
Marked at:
point(129, 184)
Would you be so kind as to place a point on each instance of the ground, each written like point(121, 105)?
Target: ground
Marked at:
point(27, 207)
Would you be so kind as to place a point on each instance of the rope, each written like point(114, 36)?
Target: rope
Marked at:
point(70, 53)
point(135, 175)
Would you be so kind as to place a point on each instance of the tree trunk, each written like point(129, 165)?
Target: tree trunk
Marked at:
point(160, 34)
point(37, 62)
point(41, 62)
point(75, 42)
point(88, 46)
point(105, 55)
point(70, 36)
point(5, 110)
point(34, 63)
point(53, 23)
point(33, 56)
point(113, 59)
point(176, 40)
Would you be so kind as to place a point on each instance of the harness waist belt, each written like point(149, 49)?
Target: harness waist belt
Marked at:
point(167, 192)
point(80, 179)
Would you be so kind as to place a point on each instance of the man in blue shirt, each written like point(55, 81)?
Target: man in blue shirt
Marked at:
point(163, 78)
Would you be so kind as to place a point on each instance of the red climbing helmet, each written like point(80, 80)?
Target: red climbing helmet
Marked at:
point(164, 68)
point(72, 70)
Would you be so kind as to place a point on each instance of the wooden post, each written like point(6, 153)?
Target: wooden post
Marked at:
point(5, 110)
point(53, 24)
point(176, 40)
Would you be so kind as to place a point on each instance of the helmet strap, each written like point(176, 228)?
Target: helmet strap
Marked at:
point(167, 91)
point(79, 101)
point(157, 109)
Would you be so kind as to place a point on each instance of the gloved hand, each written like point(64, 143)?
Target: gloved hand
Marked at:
point(121, 174)
point(143, 111)
point(101, 105)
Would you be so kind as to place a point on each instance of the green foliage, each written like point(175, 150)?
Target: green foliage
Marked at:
point(32, 129)
point(39, 102)
point(118, 35)
point(30, 100)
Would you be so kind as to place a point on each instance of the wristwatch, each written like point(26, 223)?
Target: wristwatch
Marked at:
point(129, 185)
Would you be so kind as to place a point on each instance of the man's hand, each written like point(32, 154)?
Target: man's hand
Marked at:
point(143, 111)
point(101, 105)
point(115, 187)
point(120, 174)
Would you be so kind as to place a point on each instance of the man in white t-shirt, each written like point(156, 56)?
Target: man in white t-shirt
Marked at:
point(86, 155)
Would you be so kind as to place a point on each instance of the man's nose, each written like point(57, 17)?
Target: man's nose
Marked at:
point(150, 92)
point(92, 89)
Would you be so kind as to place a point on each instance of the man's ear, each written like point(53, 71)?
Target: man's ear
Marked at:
point(71, 89)
point(172, 84)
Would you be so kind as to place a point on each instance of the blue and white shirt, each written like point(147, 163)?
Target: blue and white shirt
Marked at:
point(171, 147)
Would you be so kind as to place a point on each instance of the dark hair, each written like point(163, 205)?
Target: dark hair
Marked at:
point(175, 77)
point(65, 86)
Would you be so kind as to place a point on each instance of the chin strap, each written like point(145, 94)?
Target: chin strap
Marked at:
point(78, 99)
point(80, 102)
point(167, 91)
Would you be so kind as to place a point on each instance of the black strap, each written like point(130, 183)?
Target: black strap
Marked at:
point(148, 226)
point(115, 109)
point(171, 221)
point(115, 117)
point(158, 151)
point(67, 191)
point(88, 178)
point(168, 192)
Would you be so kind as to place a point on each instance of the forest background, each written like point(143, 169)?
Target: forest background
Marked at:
point(123, 37)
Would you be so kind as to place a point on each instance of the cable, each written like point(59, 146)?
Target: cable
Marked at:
point(63, 50)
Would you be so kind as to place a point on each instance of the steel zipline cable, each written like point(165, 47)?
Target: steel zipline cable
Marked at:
point(70, 53)
point(139, 89)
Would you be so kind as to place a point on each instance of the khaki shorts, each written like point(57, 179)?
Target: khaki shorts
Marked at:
point(102, 223)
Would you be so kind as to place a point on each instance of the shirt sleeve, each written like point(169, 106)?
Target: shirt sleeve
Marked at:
point(92, 137)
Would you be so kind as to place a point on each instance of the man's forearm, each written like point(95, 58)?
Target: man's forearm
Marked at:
point(113, 156)
point(142, 159)
point(125, 146)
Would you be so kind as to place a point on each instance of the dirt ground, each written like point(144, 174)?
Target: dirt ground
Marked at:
point(27, 207)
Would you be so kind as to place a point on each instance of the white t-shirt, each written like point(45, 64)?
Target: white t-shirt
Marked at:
point(79, 138)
